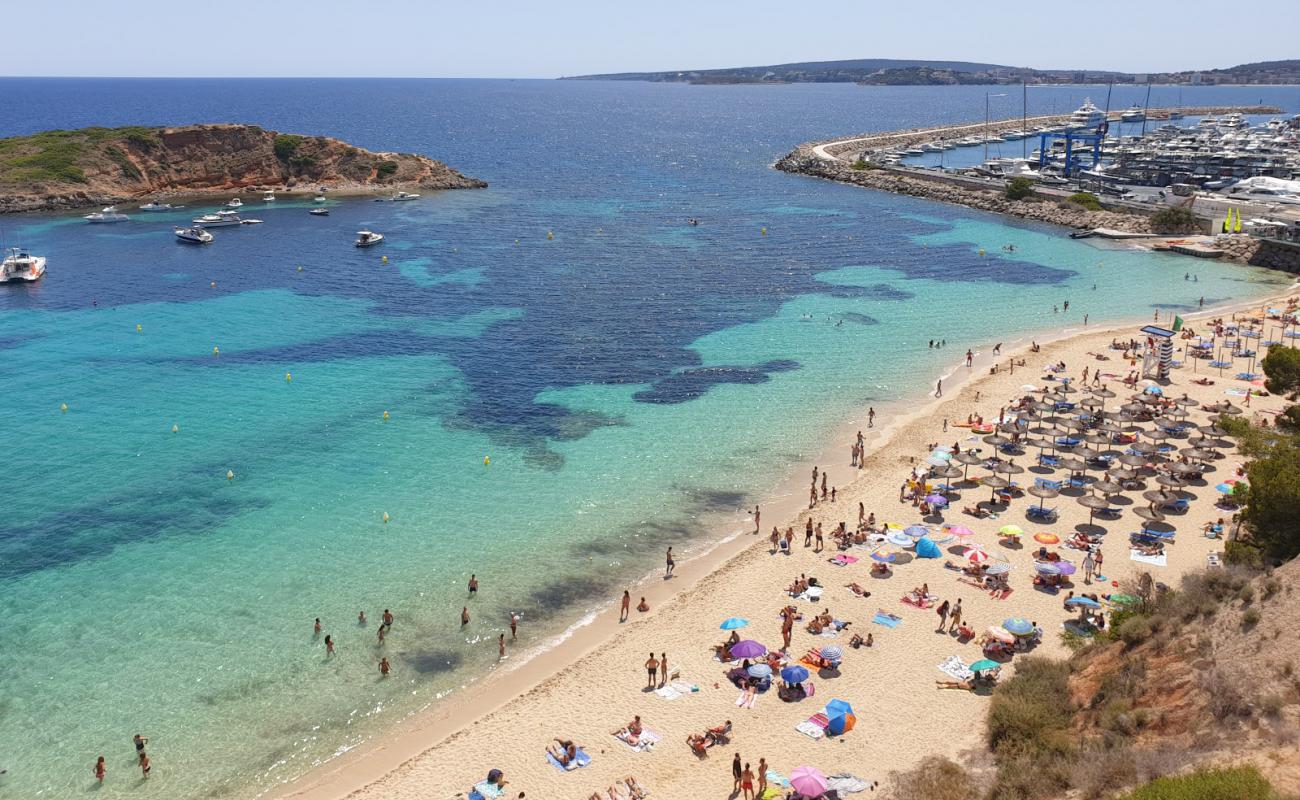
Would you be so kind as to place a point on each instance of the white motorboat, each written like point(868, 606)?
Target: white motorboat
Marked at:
point(1133, 113)
point(368, 238)
point(220, 219)
point(319, 212)
point(928, 147)
point(320, 198)
point(1087, 115)
point(235, 203)
point(156, 207)
point(405, 196)
point(195, 235)
point(1175, 115)
point(21, 266)
point(108, 214)
point(269, 197)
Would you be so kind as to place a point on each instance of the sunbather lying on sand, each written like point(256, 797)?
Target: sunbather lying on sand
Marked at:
point(979, 512)
point(858, 590)
point(967, 685)
point(566, 752)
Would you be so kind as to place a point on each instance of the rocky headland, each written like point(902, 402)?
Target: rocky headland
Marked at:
point(98, 166)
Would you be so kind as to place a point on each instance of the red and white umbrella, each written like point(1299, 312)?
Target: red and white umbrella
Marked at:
point(976, 555)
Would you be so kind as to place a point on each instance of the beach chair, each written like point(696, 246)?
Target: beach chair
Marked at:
point(1041, 513)
point(1109, 512)
point(1044, 483)
point(1049, 461)
point(1181, 504)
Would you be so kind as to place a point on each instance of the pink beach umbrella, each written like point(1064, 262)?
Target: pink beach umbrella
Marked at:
point(809, 781)
point(960, 531)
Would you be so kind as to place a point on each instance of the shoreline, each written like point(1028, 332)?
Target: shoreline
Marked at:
point(358, 770)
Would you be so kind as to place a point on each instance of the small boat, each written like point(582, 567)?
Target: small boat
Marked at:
point(235, 203)
point(108, 214)
point(156, 207)
point(221, 219)
point(1133, 114)
point(195, 235)
point(404, 196)
point(1175, 115)
point(320, 198)
point(21, 266)
point(368, 238)
point(269, 197)
point(319, 212)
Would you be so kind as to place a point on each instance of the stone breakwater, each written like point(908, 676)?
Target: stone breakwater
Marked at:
point(851, 146)
point(1270, 253)
point(971, 193)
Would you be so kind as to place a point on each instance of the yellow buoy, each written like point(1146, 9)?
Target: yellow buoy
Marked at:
point(383, 259)
point(981, 251)
point(64, 408)
point(216, 351)
point(230, 474)
point(139, 328)
point(288, 376)
point(176, 428)
point(763, 231)
point(550, 235)
point(385, 517)
point(487, 461)
point(385, 415)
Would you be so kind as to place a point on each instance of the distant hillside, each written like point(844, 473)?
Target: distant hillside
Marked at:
point(801, 72)
point(903, 72)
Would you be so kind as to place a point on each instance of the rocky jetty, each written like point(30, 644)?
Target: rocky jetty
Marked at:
point(1271, 253)
point(98, 166)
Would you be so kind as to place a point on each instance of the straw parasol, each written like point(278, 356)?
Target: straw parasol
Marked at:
point(1171, 481)
point(1149, 514)
point(1107, 487)
point(1132, 460)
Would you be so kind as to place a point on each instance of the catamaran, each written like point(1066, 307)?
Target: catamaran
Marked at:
point(21, 266)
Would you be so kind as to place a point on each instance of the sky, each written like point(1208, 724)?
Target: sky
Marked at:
point(515, 39)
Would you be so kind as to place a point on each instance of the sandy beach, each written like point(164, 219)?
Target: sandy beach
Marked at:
point(595, 682)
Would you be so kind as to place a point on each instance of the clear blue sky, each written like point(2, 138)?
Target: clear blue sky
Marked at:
point(512, 38)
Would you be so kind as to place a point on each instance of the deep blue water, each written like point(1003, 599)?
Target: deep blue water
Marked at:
point(633, 380)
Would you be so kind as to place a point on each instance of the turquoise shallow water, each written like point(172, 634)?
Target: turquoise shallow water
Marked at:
point(635, 381)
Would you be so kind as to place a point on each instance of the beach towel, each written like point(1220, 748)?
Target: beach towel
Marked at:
point(843, 560)
point(668, 692)
point(581, 760)
point(955, 668)
point(844, 783)
point(775, 778)
point(1235, 392)
point(487, 791)
point(829, 633)
point(810, 729)
point(743, 703)
point(645, 744)
point(683, 686)
point(1158, 561)
point(883, 617)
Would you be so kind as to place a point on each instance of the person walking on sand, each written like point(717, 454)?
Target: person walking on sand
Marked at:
point(736, 774)
point(762, 777)
point(821, 542)
point(938, 388)
point(823, 485)
point(757, 516)
point(942, 611)
point(808, 533)
point(663, 669)
point(871, 417)
point(669, 563)
point(514, 620)
point(652, 670)
point(747, 782)
point(1089, 564)
point(954, 616)
point(101, 770)
point(775, 538)
point(970, 358)
point(625, 606)
point(464, 616)
point(812, 496)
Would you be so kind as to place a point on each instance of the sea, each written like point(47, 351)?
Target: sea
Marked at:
point(544, 383)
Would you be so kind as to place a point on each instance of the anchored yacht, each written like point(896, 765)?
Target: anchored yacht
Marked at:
point(20, 266)
point(220, 219)
point(108, 214)
point(368, 238)
point(195, 235)
point(1087, 115)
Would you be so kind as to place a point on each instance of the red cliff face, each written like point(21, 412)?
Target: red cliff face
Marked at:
point(124, 164)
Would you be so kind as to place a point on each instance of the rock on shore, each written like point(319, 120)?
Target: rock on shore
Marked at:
point(96, 166)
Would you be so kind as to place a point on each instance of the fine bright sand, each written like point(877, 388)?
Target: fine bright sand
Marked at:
point(598, 684)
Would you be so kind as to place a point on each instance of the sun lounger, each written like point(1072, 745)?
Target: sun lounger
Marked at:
point(1041, 512)
point(581, 760)
point(1213, 560)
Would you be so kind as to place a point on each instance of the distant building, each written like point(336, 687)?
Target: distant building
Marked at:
point(1140, 77)
point(1196, 79)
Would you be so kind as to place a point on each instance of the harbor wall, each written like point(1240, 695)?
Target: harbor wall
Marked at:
point(1271, 253)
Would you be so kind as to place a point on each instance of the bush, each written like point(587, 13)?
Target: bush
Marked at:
point(1273, 513)
point(1282, 367)
point(935, 778)
point(1019, 188)
point(1027, 715)
point(286, 144)
point(143, 139)
point(1237, 783)
point(386, 168)
point(1087, 200)
point(123, 163)
point(863, 164)
point(1173, 219)
point(1250, 618)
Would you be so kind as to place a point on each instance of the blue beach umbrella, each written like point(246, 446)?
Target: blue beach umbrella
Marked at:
point(916, 531)
point(927, 549)
point(1086, 602)
point(832, 652)
point(733, 623)
point(899, 539)
point(1153, 390)
point(759, 671)
point(794, 674)
point(840, 716)
point(1018, 626)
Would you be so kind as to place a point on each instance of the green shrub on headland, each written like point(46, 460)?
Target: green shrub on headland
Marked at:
point(1238, 783)
point(1019, 188)
point(1086, 200)
point(1173, 219)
